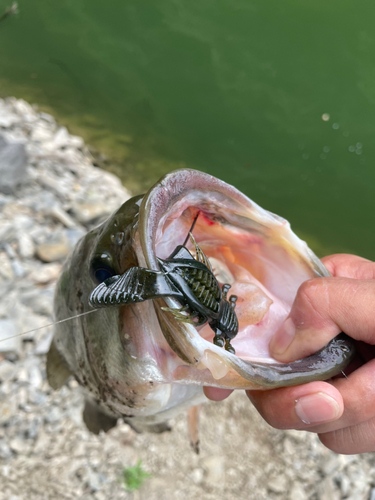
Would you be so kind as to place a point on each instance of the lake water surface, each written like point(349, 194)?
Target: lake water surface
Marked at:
point(277, 98)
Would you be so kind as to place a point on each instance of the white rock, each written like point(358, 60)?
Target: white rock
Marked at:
point(76, 141)
point(214, 467)
point(8, 342)
point(6, 271)
point(45, 273)
point(87, 213)
point(44, 344)
point(197, 475)
point(7, 370)
point(8, 119)
point(18, 269)
point(278, 483)
point(297, 492)
point(40, 301)
point(26, 246)
point(23, 108)
point(42, 132)
point(7, 232)
point(59, 214)
point(13, 162)
point(327, 490)
point(18, 445)
point(61, 138)
point(35, 377)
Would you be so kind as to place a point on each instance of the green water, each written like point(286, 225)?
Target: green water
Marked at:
point(235, 88)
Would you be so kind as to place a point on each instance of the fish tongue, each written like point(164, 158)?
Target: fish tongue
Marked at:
point(252, 303)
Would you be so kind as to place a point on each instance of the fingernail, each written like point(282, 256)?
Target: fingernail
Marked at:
point(283, 337)
point(317, 408)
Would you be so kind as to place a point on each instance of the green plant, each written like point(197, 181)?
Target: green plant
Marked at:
point(134, 476)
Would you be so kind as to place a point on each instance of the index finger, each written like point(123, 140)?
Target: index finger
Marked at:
point(323, 308)
point(349, 266)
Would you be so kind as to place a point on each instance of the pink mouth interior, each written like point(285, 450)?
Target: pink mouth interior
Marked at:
point(261, 274)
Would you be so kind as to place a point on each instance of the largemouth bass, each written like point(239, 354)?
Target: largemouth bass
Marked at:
point(142, 361)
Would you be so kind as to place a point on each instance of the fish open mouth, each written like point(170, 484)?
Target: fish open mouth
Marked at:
point(249, 248)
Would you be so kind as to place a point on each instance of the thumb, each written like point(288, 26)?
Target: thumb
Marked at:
point(323, 308)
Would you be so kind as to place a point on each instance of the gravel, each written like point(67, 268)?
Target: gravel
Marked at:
point(46, 451)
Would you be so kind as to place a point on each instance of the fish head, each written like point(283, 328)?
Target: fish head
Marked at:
point(140, 358)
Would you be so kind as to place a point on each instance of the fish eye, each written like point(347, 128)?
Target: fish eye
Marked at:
point(101, 268)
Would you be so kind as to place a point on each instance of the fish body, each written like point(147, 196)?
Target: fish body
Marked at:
point(138, 361)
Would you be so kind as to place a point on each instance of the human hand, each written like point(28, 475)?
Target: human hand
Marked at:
point(341, 411)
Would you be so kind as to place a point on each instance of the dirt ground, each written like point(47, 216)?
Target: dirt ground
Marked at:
point(241, 458)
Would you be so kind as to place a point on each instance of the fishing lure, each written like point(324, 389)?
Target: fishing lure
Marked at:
point(189, 280)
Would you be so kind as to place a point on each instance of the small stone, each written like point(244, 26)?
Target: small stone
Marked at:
point(297, 492)
point(44, 344)
point(5, 452)
point(33, 428)
point(54, 415)
point(40, 301)
point(42, 445)
point(289, 446)
point(42, 132)
point(7, 411)
point(36, 397)
point(7, 232)
point(76, 142)
point(330, 465)
point(22, 375)
point(47, 118)
point(88, 213)
point(345, 485)
point(327, 490)
point(73, 236)
point(26, 246)
point(8, 120)
point(94, 480)
point(59, 214)
point(13, 162)
point(32, 322)
point(215, 468)
point(17, 445)
point(18, 269)
point(23, 108)
point(35, 377)
point(6, 271)
point(22, 399)
point(7, 370)
point(278, 484)
point(61, 138)
point(45, 274)
point(10, 251)
point(9, 343)
point(53, 251)
point(197, 475)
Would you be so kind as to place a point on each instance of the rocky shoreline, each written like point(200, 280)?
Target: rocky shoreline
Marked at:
point(50, 195)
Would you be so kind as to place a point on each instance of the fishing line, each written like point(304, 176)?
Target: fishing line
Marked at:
point(191, 229)
point(344, 374)
point(50, 324)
